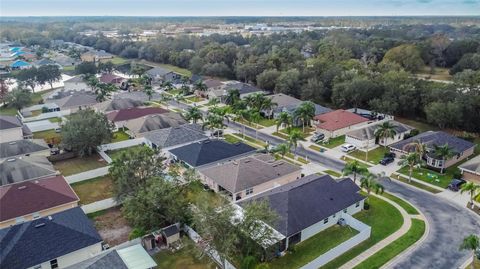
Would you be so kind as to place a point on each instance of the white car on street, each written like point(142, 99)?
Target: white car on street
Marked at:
point(348, 147)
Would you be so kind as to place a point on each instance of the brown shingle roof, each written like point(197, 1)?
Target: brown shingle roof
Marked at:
point(134, 113)
point(28, 197)
point(338, 119)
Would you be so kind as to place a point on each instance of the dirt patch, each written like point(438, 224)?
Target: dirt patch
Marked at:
point(112, 226)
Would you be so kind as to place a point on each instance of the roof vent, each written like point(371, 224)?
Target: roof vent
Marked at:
point(40, 225)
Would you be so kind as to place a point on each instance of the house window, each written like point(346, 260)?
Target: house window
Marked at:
point(53, 264)
point(357, 204)
point(325, 221)
point(249, 191)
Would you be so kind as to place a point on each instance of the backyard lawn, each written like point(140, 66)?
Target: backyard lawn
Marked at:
point(184, 258)
point(120, 136)
point(313, 247)
point(384, 219)
point(50, 136)
point(77, 165)
point(414, 234)
point(374, 156)
point(334, 142)
point(117, 60)
point(8, 111)
point(93, 190)
point(115, 153)
point(181, 71)
point(421, 126)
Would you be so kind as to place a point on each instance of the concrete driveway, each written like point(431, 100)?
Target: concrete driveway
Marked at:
point(449, 224)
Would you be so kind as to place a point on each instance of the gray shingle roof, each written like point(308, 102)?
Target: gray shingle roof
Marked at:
point(369, 131)
point(158, 71)
point(118, 104)
point(24, 168)
point(472, 165)
point(438, 138)
point(248, 172)
point(9, 122)
point(210, 151)
point(137, 95)
point(155, 122)
point(174, 136)
point(309, 200)
point(283, 100)
point(21, 147)
point(76, 100)
point(107, 260)
point(34, 242)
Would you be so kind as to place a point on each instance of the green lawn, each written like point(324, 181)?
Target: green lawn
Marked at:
point(176, 69)
point(93, 190)
point(8, 111)
point(174, 92)
point(438, 73)
point(50, 136)
point(313, 247)
point(334, 142)
point(414, 234)
point(251, 139)
point(184, 258)
point(409, 208)
point(374, 156)
point(416, 184)
point(55, 120)
point(333, 173)
point(117, 60)
point(194, 99)
point(232, 139)
point(115, 153)
point(432, 177)
point(281, 135)
point(421, 126)
point(36, 98)
point(384, 219)
point(348, 159)
point(267, 122)
point(78, 165)
point(475, 263)
point(308, 131)
point(120, 136)
point(317, 148)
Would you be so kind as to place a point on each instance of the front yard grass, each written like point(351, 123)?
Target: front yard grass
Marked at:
point(432, 177)
point(77, 165)
point(333, 173)
point(194, 99)
point(334, 142)
point(184, 258)
point(348, 159)
point(251, 139)
point(384, 219)
point(409, 208)
point(50, 136)
point(475, 263)
point(94, 189)
point(267, 122)
point(231, 139)
point(308, 131)
point(374, 156)
point(380, 258)
point(317, 148)
point(313, 247)
point(416, 184)
point(120, 136)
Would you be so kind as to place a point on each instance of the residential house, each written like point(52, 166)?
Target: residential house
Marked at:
point(138, 96)
point(122, 116)
point(462, 149)
point(76, 83)
point(111, 79)
point(471, 170)
point(44, 62)
point(75, 101)
point(132, 257)
point(210, 152)
point(160, 74)
point(14, 170)
point(118, 104)
point(338, 122)
point(65, 61)
point(19, 64)
point(33, 199)
point(247, 176)
point(23, 147)
point(364, 138)
point(213, 86)
point(195, 78)
point(44, 108)
point(310, 205)
point(136, 127)
point(12, 129)
point(221, 92)
point(173, 137)
point(95, 56)
point(57, 241)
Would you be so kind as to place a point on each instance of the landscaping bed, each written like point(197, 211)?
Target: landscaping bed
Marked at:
point(384, 219)
point(78, 165)
point(306, 251)
point(380, 258)
point(94, 189)
point(185, 258)
point(111, 225)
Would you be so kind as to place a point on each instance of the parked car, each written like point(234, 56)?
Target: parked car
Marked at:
point(390, 154)
point(217, 133)
point(456, 184)
point(387, 160)
point(317, 137)
point(348, 147)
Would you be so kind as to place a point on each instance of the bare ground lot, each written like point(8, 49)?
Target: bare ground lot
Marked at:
point(112, 226)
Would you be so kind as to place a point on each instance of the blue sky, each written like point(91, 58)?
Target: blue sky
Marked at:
point(238, 7)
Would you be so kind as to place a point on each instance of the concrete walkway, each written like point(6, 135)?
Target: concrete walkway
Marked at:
point(407, 222)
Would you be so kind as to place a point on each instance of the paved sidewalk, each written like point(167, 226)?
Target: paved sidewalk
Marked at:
point(407, 222)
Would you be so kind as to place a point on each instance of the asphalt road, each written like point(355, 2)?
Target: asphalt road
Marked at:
point(449, 224)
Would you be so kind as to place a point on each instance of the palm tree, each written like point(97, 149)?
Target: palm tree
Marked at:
point(166, 98)
point(213, 102)
point(200, 86)
point(293, 138)
point(305, 112)
point(284, 119)
point(282, 149)
point(255, 117)
point(193, 114)
point(167, 85)
point(417, 147)
point(370, 183)
point(444, 152)
point(233, 95)
point(268, 105)
point(213, 121)
point(356, 168)
point(472, 189)
point(412, 161)
point(384, 131)
point(148, 91)
point(92, 82)
point(471, 242)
